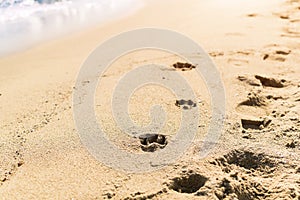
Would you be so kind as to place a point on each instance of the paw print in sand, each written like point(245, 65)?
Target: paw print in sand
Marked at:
point(185, 104)
point(183, 66)
point(150, 142)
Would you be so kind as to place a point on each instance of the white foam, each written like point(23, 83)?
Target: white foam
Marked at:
point(26, 23)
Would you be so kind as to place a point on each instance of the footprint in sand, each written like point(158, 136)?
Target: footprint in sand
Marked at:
point(255, 105)
point(240, 58)
point(151, 142)
point(259, 80)
point(249, 80)
point(185, 104)
point(255, 123)
point(276, 53)
point(183, 66)
point(237, 62)
point(271, 82)
point(243, 167)
point(216, 53)
point(188, 183)
point(291, 32)
point(254, 99)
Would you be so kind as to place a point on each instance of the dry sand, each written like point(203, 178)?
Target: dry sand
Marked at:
point(255, 46)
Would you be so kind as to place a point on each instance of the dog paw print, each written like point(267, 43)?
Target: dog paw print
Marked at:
point(185, 104)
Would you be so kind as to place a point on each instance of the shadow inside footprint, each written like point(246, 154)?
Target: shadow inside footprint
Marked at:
point(183, 66)
point(258, 124)
point(150, 142)
point(188, 184)
point(271, 82)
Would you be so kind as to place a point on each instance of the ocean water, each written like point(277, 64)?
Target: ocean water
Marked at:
point(24, 23)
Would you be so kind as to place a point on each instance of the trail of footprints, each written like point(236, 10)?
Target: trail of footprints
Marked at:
point(235, 175)
point(238, 173)
point(240, 58)
point(277, 107)
point(151, 142)
point(292, 17)
point(239, 169)
point(247, 174)
point(256, 99)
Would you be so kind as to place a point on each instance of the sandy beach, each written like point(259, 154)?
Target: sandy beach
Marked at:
point(254, 46)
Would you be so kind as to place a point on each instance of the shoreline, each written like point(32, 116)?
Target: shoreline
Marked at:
point(47, 22)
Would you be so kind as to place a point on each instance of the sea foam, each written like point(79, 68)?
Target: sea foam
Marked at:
point(24, 23)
